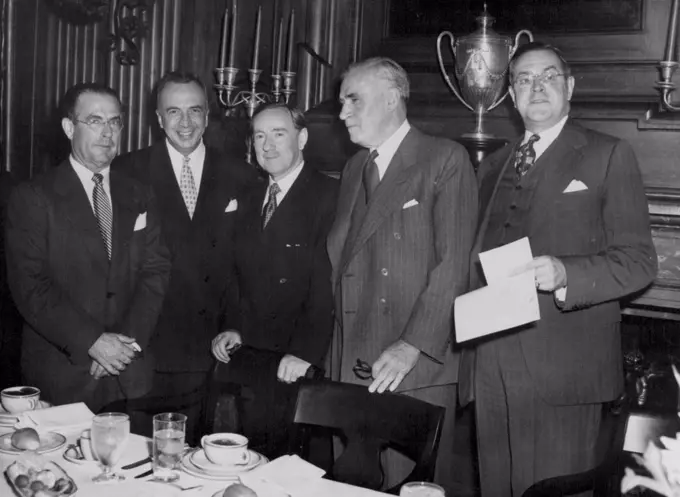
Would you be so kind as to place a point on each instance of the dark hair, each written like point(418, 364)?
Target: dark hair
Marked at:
point(296, 115)
point(70, 99)
point(180, 78)
point(387, 69)
point(538, 46)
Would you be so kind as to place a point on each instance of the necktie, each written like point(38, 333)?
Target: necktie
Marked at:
point(269, 209)
point(526, 155)
point(188, 187)
point(102, 211)
point(371, 176)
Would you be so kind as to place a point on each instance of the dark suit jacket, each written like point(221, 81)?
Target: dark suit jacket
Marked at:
point(69, 293)
point(602, 235)
point(201, 252)
point(283, 271)
point(397, 274)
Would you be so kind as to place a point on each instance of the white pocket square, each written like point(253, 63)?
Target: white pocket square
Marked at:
point(410, 203)
point(140, 222)
point(575, 186)
point(232, 206)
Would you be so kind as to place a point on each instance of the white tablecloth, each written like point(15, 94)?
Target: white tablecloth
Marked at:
point(137, 448)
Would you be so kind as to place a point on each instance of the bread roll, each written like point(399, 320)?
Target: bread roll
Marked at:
point(25, 439)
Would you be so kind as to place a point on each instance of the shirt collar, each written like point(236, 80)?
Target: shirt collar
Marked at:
point(287, 181)
point(547, 136)
point(195, 157)
point(85, 174)
point(389, 147)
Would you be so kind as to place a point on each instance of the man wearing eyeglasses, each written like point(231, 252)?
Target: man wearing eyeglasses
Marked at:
point(197, 188)
point(578, 196)
point(86, 265)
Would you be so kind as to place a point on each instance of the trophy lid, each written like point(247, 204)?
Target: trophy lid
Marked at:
point(485, 33)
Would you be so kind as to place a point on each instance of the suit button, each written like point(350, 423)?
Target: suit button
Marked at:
point(518, 187)
point(202, 312)
point(110, 295)
point(384, 271)
point(282, 280)
point(397, 236)
point(383, 301)
point(513, 207)
point(507, 225)
point(206, 279)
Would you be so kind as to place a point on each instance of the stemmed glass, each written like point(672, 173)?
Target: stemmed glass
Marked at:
point(110, 432)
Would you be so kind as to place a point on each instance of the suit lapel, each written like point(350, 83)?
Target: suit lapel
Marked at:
point(167, 190)
point(125, 213)
point(389, 195)
point(79, 212)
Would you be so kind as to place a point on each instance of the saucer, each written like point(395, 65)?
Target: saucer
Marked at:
point(220, 472)
point(49, 442)
point(42, 404)
point(200, 459)
point(78, 458)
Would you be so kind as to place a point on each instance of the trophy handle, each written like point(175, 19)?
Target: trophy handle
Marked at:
point(453, 88)
point(513, 49)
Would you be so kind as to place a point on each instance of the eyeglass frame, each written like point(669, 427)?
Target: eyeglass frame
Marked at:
point(363, 370)
point(99, 127)
point(547, 77)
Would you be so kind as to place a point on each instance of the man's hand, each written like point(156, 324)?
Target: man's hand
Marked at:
point(392, 366)
point(113, 352)
point(292, 368)
point(97, 371)
point(224, 344)
point(550, 274)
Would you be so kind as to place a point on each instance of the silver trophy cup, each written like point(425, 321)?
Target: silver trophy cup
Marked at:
point(480, 65)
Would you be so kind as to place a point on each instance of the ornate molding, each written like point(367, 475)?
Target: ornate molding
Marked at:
point(80, 11)
point(129, 23)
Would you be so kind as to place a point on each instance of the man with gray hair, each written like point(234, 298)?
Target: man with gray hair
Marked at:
point(399, 248)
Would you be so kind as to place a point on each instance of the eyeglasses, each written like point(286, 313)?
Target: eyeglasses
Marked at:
point(545, 78)
point(362, 370)
point(98, 124)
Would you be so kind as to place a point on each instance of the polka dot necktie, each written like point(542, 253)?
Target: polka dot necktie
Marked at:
point(526, 156)
point(188, 187)
point(102, 211)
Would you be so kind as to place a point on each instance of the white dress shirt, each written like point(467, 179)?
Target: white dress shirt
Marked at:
point(196, 160)
point(389, 147)
point(284, 183)
point(85, 177)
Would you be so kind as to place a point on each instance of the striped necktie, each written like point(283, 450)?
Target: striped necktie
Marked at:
point(102, 211)
point(188, 187)
point(274, 189)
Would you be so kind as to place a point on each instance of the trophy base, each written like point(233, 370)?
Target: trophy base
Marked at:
point(480, 146)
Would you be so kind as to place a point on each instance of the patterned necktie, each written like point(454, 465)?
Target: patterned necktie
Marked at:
point(269, 209)
point(371, 176)
point(102, 211)
point(526, 156)
point(188, 187)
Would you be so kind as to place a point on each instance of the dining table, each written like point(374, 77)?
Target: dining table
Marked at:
point(139, 448)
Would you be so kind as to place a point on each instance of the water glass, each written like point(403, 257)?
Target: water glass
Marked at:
point(169, 430)
point(110, 432)
point(421, 489)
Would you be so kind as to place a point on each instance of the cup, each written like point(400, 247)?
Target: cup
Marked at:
point(85, 444)
point(19, 399)
point(226, 449)
point(169, 431)
point(421, 489)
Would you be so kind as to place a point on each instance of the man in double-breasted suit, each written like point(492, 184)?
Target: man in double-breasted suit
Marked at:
point(282, 269)
point(578, 196)
point(196, 188)
point(399, 248)
point(86, 264)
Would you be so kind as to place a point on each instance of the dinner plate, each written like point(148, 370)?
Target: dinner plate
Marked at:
point(200, 460)
point(226, 474)
point(130, 488)
point(49, 442)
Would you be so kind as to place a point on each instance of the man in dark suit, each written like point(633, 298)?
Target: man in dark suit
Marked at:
point(283, 276)
point(578, 196)
point(400, 250)
point(196, 189)
point(86, 265)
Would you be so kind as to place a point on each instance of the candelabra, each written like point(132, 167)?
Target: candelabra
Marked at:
point(230, 98)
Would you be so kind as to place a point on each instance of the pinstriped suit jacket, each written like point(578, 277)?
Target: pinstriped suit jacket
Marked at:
point(397, 275)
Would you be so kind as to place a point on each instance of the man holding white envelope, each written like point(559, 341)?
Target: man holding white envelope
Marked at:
point(86, 264)
point(578, 196)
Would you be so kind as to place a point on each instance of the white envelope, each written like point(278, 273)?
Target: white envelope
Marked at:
point(575, 186)
point(140, 222)
point(410, 203)
point(232, 206)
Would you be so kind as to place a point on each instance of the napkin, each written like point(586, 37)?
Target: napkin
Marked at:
point(69, 417)
point(290, 473)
